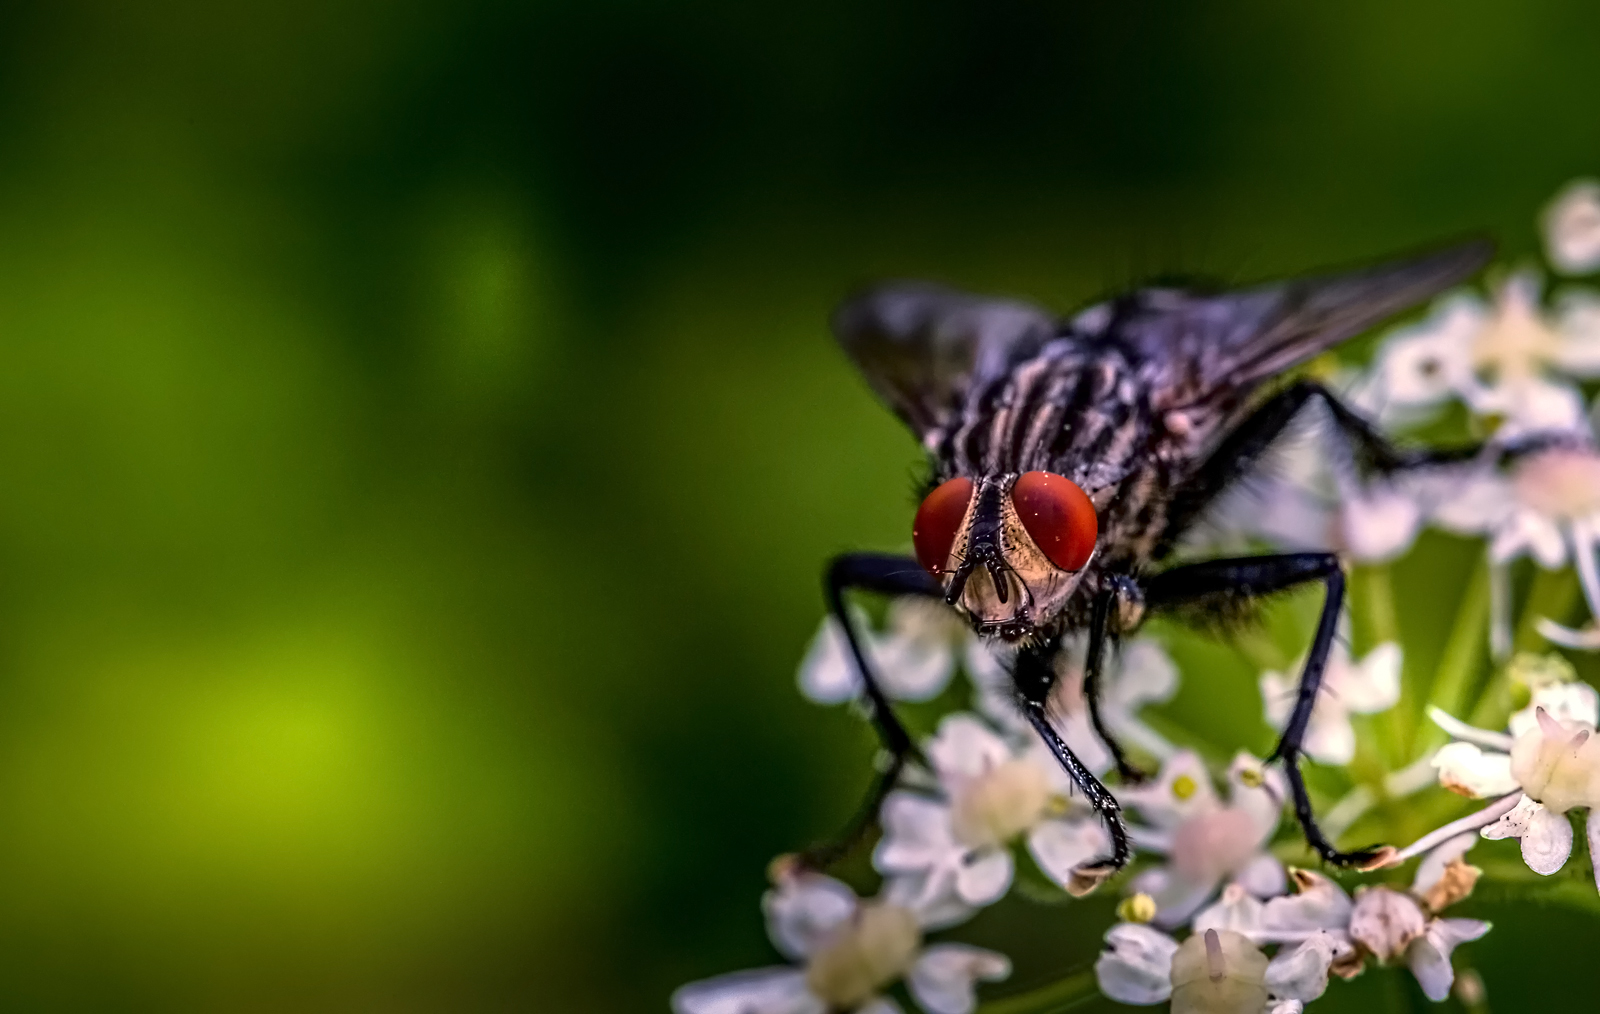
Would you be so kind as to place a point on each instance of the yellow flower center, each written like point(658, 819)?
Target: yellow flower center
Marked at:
point(874, 948)
point(1000, 804)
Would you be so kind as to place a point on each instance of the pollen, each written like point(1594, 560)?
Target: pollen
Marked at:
point(1184, 786)
point(1139, 908)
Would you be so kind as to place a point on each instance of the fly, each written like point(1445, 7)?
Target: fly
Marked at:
point(1070, 456)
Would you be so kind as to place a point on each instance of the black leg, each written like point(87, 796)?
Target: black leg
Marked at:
point(1251, 438)
point(1094, 661)
point(1252, 576)
point(1033, 677)
point(889, 575)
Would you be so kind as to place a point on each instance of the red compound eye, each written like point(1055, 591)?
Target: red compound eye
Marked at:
point(1059, 517)
point(939, 522)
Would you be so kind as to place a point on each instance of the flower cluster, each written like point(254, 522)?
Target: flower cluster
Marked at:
point(1213, 919)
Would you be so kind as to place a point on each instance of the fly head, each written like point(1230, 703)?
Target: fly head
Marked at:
point(1010, 550)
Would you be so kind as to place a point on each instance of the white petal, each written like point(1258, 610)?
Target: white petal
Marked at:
point(916, 835)
point(1060, 846)
point(1181, 899)
point(1547, 842)
point(1429, 954)
point(1277, 697)
point(1584, 639)
point(1525, 532)
point(1285, 1007)
point(1330, 738)
point(758, 991)
point(1432, 867)
point(1531, 405)
point(1428, 362)
point(1373, 685)
point(1546, 837)
point(1138, 967)
point(1263, 877)
point(1592, 828)
point(1320, 904)
point(1301, 973)
point(915, 658)
point(1236, 910)
point(1379, 525)
point(1578, 319)
point(984, 877)
point(1476, 502)
point(1181, 790)
point(804, 909)
point(1259, 791)
point(1572, 228)
point(931, 898)
point(965, 746)
point(1466, 768)
point(942, 979)
point(827, 673)
point(1146, 675)
point(1471, 733)
point(1565, 702)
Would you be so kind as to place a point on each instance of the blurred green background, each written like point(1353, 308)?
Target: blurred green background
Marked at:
point(420, 438)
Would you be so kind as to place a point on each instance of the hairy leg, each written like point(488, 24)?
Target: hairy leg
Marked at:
point(1253, 576)
point(1250, 440)
point(1033, 677)
point(888, 575)
point(1093, 664)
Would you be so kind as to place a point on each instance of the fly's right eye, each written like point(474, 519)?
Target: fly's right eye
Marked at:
point(938, 523)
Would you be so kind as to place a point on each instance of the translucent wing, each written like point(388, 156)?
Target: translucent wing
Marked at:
point(922, 346)
point(1194, 346)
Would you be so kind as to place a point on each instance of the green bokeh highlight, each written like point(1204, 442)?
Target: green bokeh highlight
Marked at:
point(419, 438)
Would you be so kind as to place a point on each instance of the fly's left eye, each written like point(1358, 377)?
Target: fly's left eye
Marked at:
point(938, 522)
point(1059, 517)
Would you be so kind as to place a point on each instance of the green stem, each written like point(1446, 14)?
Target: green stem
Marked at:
point(1463, 656)
point(1374, 589)
point(1554, 594)
point(1374, 593)
point(1060, 995)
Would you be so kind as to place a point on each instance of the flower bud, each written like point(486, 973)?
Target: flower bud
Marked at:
point(1218, 972)
point(1558, 764)
point(1385, 922)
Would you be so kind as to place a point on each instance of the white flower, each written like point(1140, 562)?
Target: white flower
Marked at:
point(1572, 228)
point(955, 850)
point(1206, 841)
point(1214, 971)
point(1320, 929)
point(850, 951)
point(1547, 765)
point(1308, 496)
point(913, 659)
point(1547, 507)
point(1140, 674)
point(1425, 364)
point(1348, 687)
point(1502, 361)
